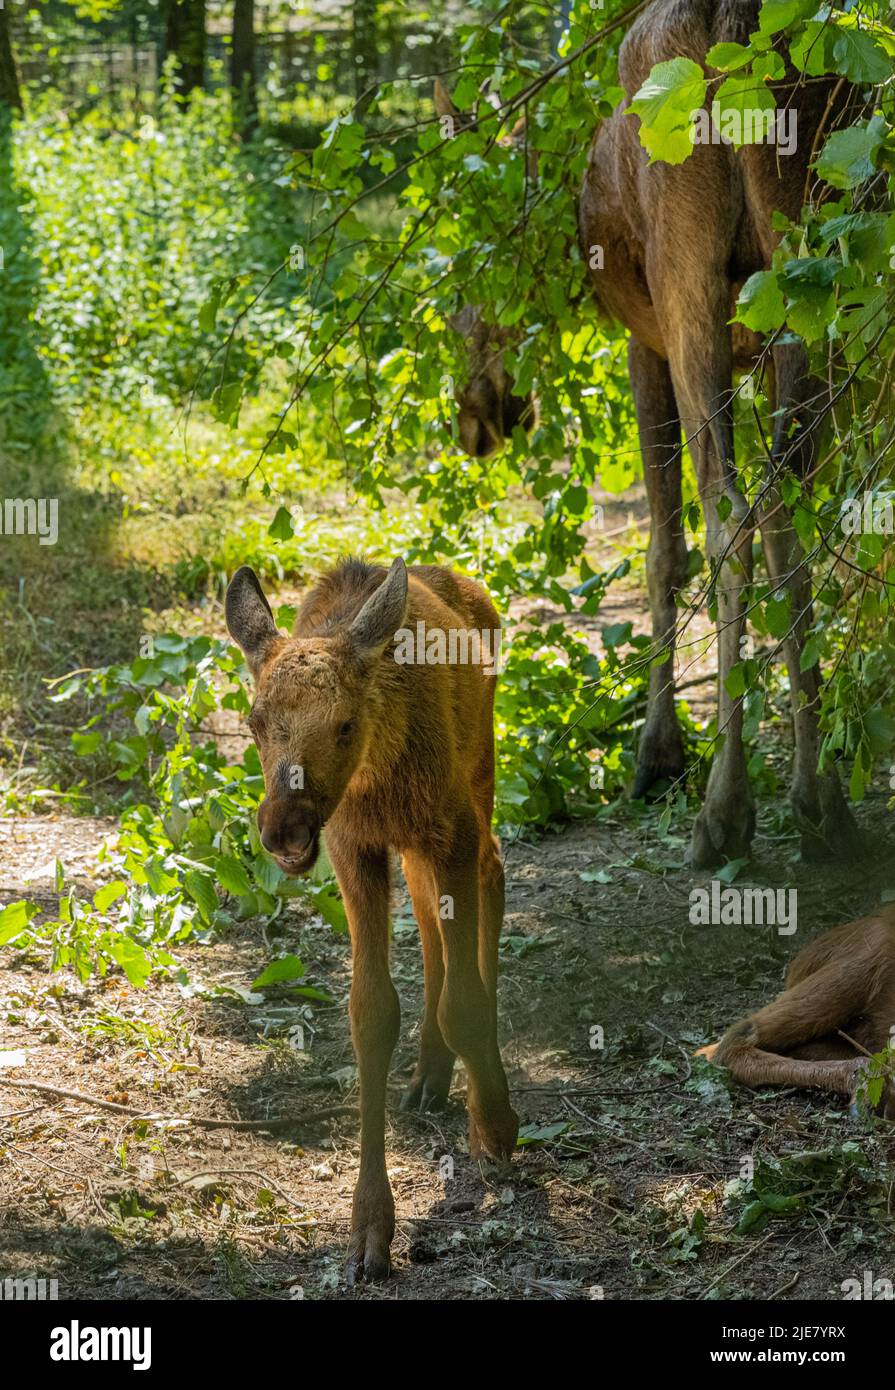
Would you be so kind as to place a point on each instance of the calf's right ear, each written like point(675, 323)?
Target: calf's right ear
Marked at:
point(249, 619)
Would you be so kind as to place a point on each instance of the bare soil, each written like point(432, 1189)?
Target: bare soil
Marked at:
point(606, 991)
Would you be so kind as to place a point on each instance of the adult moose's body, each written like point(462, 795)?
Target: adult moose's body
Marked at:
point(390, 756)
point(677, 242)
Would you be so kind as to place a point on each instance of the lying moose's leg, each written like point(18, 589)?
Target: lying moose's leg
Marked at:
point(431, 1081)
point(375, 1019)
point(467, 1015)
point(813, 1009)
point(660, 751)
point(820, 808)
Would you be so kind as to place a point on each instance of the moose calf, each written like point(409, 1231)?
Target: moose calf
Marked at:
point(838, 1005)
point(389, 756)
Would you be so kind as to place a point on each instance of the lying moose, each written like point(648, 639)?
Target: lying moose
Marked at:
point(390, 756)
point(838, 1005)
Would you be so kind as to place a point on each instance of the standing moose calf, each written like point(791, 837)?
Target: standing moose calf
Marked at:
point(389, 756)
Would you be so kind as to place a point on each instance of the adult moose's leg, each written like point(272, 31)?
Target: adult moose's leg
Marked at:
point(375, 1018)
point(820, 809)
point(468, 1017)
point(431, 1081)
point(660, 752)
point(692, 216)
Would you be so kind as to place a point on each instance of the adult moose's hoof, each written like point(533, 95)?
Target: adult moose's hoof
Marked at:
point(828, 828)
point(660, 759)
point(722, 832)
point(493, 1134)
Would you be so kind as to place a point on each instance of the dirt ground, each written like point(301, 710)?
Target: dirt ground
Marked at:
point(627, 1188)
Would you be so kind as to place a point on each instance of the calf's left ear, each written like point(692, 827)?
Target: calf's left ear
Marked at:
point(249, 619)
point(382, 614)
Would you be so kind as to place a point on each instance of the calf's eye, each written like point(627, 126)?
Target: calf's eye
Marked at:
point(346, 728)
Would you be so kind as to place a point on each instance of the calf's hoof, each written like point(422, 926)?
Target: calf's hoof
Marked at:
point(372, 1228)
point(369, 1261)
point(427, 1090)
point(493, 1133)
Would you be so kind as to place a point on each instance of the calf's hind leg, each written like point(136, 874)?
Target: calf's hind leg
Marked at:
point(431, 1081)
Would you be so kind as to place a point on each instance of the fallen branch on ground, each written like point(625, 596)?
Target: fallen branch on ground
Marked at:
point(277, 1121)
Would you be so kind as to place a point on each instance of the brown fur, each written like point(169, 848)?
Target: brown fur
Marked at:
point(840, 986)
point(393, 757)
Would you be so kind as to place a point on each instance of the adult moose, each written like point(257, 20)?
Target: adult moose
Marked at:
point(677, 243)
point(389, 756)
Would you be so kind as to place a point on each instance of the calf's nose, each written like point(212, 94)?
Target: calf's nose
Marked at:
point(291, 836)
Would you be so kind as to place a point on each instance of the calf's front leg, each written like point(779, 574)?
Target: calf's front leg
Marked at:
point(375, 1018)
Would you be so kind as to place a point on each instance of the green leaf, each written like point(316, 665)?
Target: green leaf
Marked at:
point(810, 651)
point(847, 157)
point(738, 108)
point(14, 919)
point(780, 14)
point(728, 56)
point(201, 889)
point(208, 312)
point(85, 744)
point(859, 57)
point(540, 1134)
point(133, 960)
point(329, 905)
point(232, 875)
point(281, 528)
point(777, 614)
point(665, 104)
point(753, 1218)
point(279, 972)
point(729, 871)
point(760, 303)
point(104, 897)
point(735, 680)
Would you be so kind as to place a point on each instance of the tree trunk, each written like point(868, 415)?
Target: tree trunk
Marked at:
point(185, 38)
point(9, 78)
point(242, 63)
